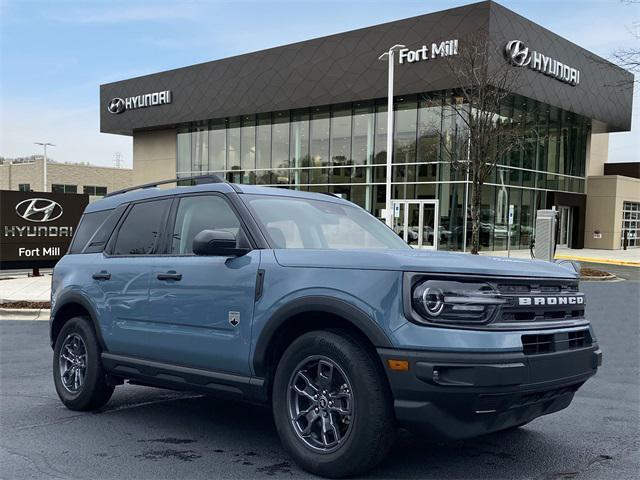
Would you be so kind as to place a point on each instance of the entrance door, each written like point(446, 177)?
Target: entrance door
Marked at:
point(416, 221)
point(565, 223)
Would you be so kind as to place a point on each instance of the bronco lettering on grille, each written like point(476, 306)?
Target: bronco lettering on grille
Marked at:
point(537, 301)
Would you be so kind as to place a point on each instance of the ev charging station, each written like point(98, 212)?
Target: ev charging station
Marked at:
point(546, 223)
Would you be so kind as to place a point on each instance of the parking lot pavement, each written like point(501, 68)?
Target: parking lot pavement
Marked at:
point(624, 272)
point(155, 434)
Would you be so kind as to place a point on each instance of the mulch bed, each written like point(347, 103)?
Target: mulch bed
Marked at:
point(25, 304)
point(592, 272)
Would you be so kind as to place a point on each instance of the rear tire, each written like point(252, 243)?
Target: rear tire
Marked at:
point(350, 426)
point(80, 380)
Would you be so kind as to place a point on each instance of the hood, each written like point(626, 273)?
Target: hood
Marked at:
point(429, 261)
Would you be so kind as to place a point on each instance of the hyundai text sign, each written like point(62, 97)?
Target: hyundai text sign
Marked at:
point(519, 55)
point(118, 105)
point(36, 228)
point(447, 48)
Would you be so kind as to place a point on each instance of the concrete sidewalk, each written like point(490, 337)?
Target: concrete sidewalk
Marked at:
point(32, 289)
point(629, 257)
point(26, 289)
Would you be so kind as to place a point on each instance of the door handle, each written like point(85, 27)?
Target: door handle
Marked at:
point(103, 275)
point(170, 275)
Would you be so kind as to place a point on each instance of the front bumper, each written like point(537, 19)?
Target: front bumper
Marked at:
point(459, 395)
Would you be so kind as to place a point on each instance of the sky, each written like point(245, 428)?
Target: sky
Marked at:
point(55, 54)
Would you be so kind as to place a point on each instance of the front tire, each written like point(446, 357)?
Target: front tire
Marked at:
point(332, 405)
point(78, 375)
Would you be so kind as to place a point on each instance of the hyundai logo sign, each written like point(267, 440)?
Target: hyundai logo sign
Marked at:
point(118, 105)
point(519, 55)
point(39, 210)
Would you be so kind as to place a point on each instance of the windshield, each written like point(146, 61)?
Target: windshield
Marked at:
point(302, 223)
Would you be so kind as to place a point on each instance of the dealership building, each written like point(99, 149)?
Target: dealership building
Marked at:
point(313, 116)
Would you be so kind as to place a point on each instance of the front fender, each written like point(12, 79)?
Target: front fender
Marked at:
point(370, 301)
point(316, 303)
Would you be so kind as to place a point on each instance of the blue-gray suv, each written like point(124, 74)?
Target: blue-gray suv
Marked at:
point(308, 303)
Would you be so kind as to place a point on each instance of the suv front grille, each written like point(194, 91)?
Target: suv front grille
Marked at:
point(545, 301)
point(555, 342)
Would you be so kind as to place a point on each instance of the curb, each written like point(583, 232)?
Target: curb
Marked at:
point(41, 314)
point(627, 263)
point(595, 278)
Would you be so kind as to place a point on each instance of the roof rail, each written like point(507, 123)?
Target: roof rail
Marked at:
point(197, 180)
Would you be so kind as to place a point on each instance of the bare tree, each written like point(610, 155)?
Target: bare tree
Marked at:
point(484, 81)
point(629, 57)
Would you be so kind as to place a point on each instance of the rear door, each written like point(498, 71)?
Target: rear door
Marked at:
point(202, 306)
point(122, 277)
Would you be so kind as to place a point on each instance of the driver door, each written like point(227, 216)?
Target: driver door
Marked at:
point(202, 306)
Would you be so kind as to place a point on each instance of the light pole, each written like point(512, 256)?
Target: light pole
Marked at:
point(389, 56)
point(44, 178)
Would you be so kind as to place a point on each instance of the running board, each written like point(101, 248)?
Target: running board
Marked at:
point(184, 378)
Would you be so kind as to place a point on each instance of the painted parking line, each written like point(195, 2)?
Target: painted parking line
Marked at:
point(627, 263)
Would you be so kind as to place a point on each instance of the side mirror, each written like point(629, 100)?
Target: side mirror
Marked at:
point(220, 243)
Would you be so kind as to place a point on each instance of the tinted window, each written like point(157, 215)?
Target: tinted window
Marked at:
point(59, 188)
point(93, 190)
point(89, 223)
point(206, 212)
point(98, 241)
point(141, 229)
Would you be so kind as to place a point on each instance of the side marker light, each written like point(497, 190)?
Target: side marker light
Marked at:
point(398, 365)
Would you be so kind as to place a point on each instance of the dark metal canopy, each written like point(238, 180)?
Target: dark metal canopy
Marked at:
point(345, 68)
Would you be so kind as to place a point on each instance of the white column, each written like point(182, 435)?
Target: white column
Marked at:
point(389, 56)
point(44, 174)
point(387, 205)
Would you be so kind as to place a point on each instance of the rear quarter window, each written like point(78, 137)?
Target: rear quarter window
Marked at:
point(99, 240)
point(89, 224)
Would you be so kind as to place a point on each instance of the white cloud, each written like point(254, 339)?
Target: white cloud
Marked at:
point(74, 131)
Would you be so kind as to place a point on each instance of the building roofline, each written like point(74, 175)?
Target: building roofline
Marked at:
point(344, 67)
point(300, 42)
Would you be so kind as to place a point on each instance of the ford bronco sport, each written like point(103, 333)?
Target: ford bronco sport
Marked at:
point(308, 303)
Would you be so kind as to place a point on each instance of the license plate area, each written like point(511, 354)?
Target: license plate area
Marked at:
point(559, 366)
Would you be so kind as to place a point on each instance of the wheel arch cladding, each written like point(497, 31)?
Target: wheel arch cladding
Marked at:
point(311, 313)
point(70, 307)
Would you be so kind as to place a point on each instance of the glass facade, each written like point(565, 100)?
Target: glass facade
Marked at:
point(630, 224)
point(341, 149)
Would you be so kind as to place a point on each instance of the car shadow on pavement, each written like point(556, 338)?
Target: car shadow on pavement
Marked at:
point(192, 427)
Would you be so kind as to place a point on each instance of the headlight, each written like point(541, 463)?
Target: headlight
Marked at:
point(446, 301)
